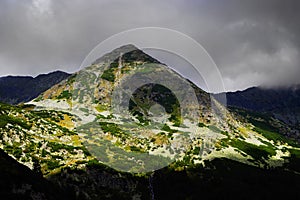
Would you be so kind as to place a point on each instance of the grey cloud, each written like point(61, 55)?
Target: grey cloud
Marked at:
point(253, 42)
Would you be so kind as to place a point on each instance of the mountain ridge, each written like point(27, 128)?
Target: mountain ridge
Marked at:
point(18, 89)
point(282, 104)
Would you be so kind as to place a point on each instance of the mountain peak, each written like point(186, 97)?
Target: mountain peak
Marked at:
point(127, 47)
point(116, 53)
point(129, 54)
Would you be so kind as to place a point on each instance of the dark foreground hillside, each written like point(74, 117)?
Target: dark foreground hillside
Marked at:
point(220, 179)
point(19, 182)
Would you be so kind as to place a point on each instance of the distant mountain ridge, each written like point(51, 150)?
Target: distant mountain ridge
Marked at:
point(265, 100)
point(282, 103)
point(17, 89)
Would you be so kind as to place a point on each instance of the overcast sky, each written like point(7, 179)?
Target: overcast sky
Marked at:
point(253, 42)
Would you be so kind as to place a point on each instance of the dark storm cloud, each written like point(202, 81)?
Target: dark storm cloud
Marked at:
point(257, 43)
point(253, 42)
